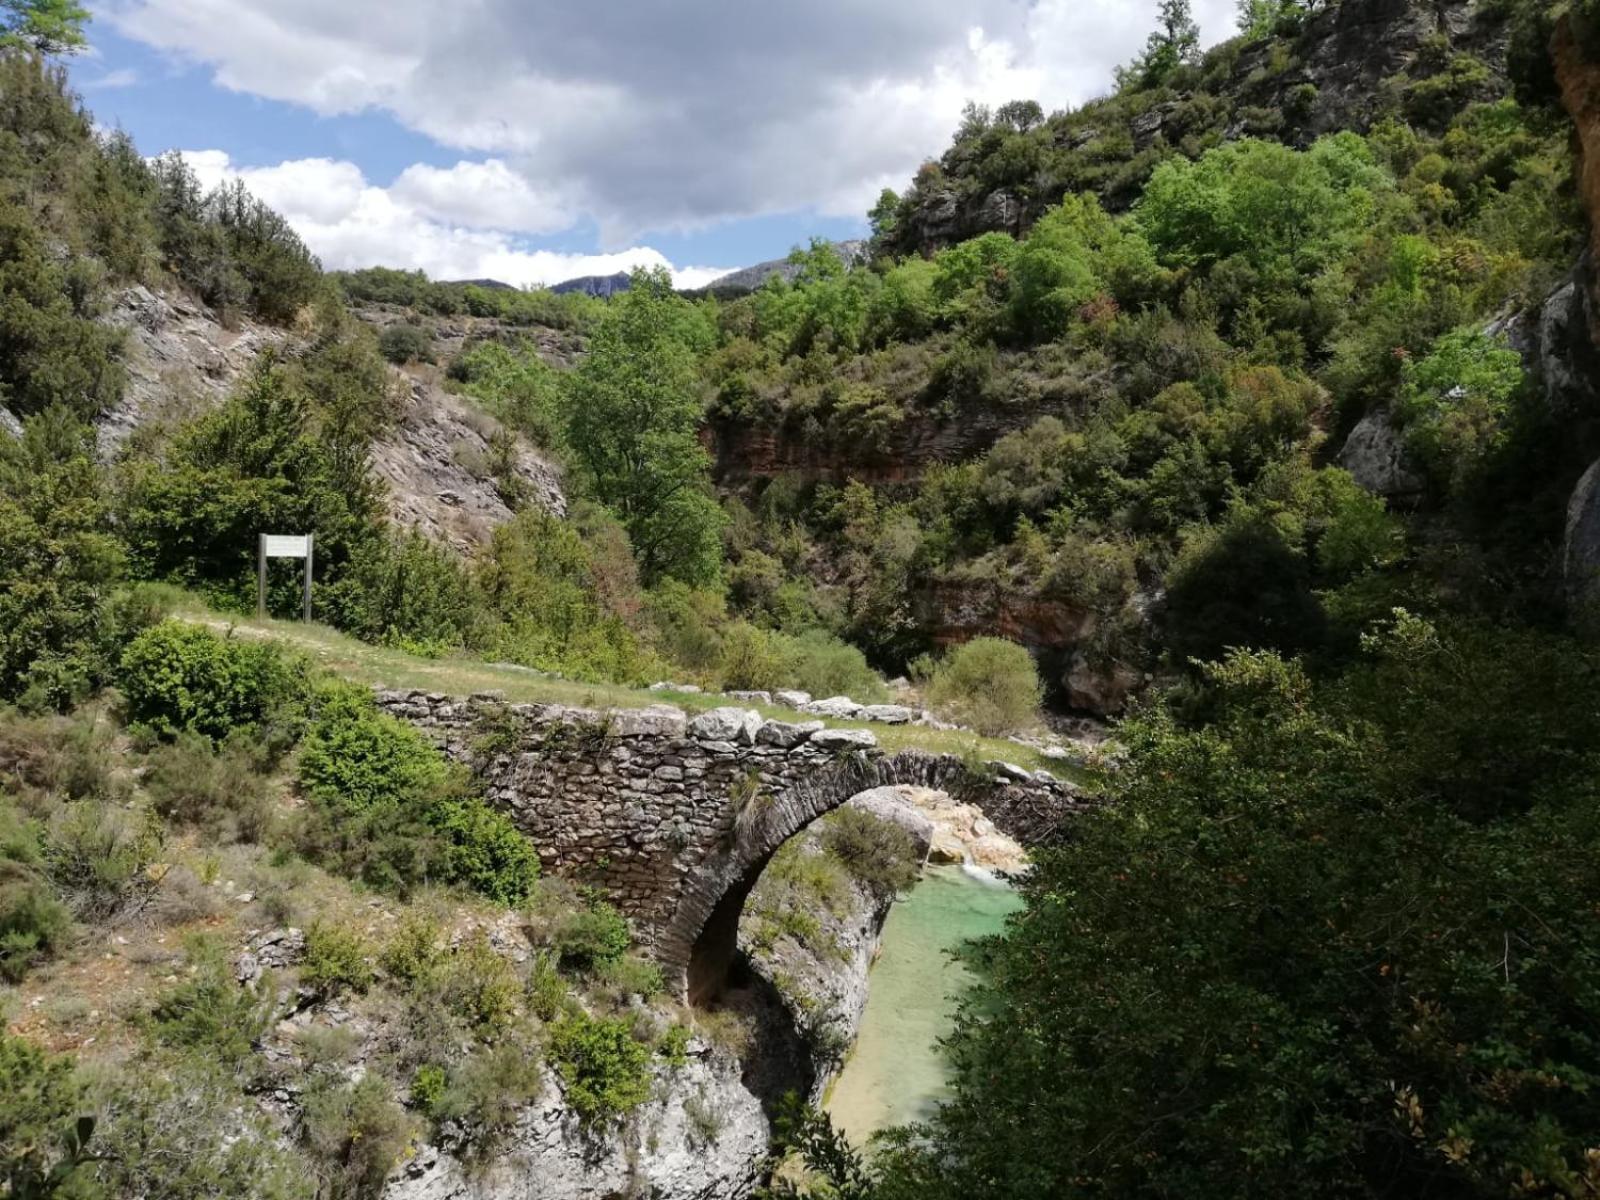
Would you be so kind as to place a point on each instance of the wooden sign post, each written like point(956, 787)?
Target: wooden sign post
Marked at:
point(277, 545)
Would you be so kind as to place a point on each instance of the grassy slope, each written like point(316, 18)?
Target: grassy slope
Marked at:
point(387, 667)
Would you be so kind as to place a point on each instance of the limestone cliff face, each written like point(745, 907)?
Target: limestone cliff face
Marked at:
point(181, 361)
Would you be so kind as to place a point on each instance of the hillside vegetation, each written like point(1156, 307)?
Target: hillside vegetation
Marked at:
point(1089, 395)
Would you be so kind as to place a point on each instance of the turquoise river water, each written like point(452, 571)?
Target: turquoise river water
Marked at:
point(896, 1073)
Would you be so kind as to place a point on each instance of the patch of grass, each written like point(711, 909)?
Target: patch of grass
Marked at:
point(461, 676)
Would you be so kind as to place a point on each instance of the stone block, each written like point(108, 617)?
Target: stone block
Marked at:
point(784, 735)
point(657, 721)
point(844, 739)
point(887, 714)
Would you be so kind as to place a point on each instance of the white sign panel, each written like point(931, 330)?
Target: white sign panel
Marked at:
point(280, 545)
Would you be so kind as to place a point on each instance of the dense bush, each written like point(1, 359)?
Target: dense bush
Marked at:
point(42, 1122)
point(58, 566)
point(33, 921)
point(335, 960)
point(989, 684)
point(604, 1071)
point(591, 937)
point(177, 676)
point(1370, 980)
point(402, 344)
point(389, 809)
point(220, 790)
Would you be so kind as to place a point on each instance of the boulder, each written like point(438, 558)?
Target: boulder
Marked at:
point(887, 714)
point(659, 720)
point(792, 699)
point(751, 697)
point(844, 739)
point(1375, 455)
point(840, 708)
point(784, 735)
point(893, 805)
point(9, 423)
point(683, 689)
point(1581, 549)
point(726, 725)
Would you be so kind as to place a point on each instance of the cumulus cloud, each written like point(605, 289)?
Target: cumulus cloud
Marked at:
point(652, 115)
point(350, 222)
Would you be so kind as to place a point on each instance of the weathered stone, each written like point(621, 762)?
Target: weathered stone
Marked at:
point(751, 697)
point(838, 707)
point(792, 699)
point(657, 721)
point(683, 689)
point(844, 739)
point(784, 735)
point(1376, 457)
point(726, 725)
point(887, 714)
point(1581, 551)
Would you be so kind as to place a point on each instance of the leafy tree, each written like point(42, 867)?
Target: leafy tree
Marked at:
point(634, 414)
point(1174, 43)
point(58, 565)
point(42, 26)
point(1295, 958)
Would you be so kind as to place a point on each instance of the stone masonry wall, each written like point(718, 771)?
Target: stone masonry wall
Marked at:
point(669, 815)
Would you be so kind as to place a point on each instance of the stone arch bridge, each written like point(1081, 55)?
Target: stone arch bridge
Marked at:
point(674, 817)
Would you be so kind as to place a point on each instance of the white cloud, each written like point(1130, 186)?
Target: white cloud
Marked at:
point(122, 77)
point(638, 114)
point(350, 223)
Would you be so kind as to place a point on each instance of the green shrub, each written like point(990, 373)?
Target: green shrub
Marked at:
point(177, 676)
point(175, 1128)
point(591, 938)
point(881, 855)
point(632, 977)
point(546, 989)
point(209, 1012)
point(485, 850)
point(402, 344)
point(335, 960)
point(604, 1070)
point(824, 665)
point(98, 853)
point(428, 1087)
point(43, 1122)
point(414, 954)
point(480, 986)
point(33, 922)
point(489, 1091)
point(356, 1134)
point(989, 684)
point(222, 790)
point(356, 757)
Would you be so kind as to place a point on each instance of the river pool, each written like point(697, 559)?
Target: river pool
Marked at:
point(896, 1073)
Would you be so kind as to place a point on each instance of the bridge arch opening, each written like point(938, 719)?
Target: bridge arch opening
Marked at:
point(705, 930)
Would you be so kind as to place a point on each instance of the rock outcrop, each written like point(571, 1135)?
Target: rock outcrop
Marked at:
point(182, 360)
point(702, 1136)
point(1376, 457)
point(1581, 550)
point(436, 465)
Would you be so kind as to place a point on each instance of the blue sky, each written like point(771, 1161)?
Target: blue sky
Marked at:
point(536, 141)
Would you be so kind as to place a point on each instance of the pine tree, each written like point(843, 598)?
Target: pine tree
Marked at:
point(43, 26)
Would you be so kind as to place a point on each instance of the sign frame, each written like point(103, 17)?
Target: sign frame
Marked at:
point(279, 545)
